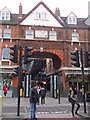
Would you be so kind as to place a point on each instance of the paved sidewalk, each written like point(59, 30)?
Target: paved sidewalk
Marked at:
point(50, 102)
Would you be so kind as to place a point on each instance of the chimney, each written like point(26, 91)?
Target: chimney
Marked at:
point(20, 11)
point(57, 12)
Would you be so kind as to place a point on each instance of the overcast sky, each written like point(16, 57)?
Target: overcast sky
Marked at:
point(78, 7)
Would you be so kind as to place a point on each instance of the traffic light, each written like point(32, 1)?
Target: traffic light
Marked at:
point(75, 58)
point(16, 70)
point(27, 54)
point(23, 72)
point(14, 53)
point(87, 59)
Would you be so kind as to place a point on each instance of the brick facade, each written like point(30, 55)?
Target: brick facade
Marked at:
point(58, 50)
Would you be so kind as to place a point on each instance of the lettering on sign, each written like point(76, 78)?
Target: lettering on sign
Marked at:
point(41, 34)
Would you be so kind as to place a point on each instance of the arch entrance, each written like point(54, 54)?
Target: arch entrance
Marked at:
point(54, 60)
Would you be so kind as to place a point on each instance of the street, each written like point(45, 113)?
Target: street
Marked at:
point(51, 109)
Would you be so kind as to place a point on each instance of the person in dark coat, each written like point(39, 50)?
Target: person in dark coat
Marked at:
point(34, 99)
point(73, 93)
point(42, 94)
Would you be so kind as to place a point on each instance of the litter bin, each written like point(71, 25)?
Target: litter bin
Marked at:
point(88, 96)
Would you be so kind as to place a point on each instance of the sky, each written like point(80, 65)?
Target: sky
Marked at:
point(78, 7)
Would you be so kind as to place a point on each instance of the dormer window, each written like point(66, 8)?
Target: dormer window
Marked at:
point(72, 19)
point(5, 14)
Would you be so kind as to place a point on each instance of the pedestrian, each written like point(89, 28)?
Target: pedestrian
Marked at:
point(42, 94)
point(5, 89)
point(74, 100)
point(77, 102)
point(34, 99)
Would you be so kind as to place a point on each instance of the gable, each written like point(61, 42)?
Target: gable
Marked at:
point(87, 21)
point(41, 16)
point(71, 18)
point(5, 9)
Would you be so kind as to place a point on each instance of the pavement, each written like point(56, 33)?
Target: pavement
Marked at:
point(50, 102)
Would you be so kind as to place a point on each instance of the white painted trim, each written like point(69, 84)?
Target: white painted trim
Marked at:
point(7, 66)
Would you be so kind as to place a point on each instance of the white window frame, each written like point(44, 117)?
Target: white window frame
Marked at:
point(29, 34)
point(5, 16)
point(75, 36)
point(6, 53)
point(52, 35)
point(7, 32)
point(41, 15)
point(72, 20)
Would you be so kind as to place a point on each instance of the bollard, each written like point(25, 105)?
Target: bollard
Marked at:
point(59, 97)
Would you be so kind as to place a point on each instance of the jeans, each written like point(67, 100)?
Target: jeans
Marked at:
point(73, 105)
point(33, 110)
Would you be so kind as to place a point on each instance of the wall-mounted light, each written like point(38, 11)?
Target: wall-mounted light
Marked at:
point(74, 30)
point(7, 26)
point(52, 29)
point(29, 27)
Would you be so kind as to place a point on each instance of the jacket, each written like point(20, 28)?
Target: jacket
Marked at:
point(34, 97)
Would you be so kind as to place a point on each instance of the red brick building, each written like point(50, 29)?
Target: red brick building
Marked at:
point(51, 36)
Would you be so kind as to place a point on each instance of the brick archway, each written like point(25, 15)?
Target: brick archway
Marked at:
point(52, 50)
point(55, 55)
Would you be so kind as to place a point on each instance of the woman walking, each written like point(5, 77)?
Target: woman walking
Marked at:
point(74, 100)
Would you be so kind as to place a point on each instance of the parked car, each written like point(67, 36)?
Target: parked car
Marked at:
point(88, 97)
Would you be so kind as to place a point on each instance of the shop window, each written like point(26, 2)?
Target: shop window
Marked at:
point(52, 35)
point(7, 32)
point(6, 53)
point(29, 34)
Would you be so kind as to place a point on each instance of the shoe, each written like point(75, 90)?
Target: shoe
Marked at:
point(76, 113)
point(73, 114)
point(35, 118)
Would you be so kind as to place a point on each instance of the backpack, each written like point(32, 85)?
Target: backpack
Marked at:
point(43, 92)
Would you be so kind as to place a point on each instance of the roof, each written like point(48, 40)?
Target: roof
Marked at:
point(62, 20)
point(42, 3)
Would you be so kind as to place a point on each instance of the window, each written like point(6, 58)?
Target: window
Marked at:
point(52, 35)
point(7, 32)
point(75, 36)
point(3, 16)
point(0, 32)
point(72, 20)
point(40, 15)
point(7, 16)
point(6, 53)
point(29, 34)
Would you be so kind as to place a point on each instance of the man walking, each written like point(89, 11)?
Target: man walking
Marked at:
point(34, 98)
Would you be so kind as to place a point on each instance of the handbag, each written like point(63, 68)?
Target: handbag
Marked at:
point(71, 99)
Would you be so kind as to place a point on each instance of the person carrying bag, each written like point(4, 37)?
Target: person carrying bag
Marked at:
point(72, 99)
